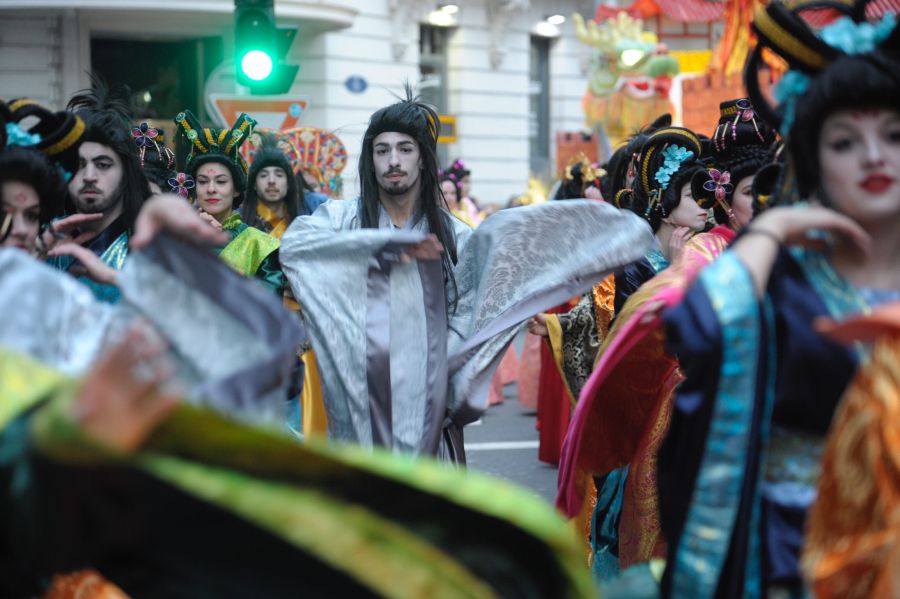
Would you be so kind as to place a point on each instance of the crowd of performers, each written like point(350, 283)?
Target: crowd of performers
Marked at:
point(214, 383)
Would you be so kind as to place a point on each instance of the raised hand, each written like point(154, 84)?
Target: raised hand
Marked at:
point(538, 326)
point(66, 230)
point(428, 249)
point(122, 399)
point(90, 263)
point(170, 213)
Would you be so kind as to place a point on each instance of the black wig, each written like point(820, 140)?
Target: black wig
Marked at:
point(837, 81)
point(270, 155)
point(107, 115)
point(419, 121)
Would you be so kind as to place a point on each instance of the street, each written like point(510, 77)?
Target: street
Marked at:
point(504, 443)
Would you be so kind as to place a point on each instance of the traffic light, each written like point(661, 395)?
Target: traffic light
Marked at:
point(260, 48)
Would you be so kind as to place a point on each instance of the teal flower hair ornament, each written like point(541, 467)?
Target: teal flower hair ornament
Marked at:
point(844, 34)
point(16, 136)
point(673, 157)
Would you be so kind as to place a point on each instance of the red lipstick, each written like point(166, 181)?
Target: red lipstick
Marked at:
point(876, 183)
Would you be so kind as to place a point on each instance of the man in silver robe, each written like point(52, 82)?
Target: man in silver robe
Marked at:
point(409, 309)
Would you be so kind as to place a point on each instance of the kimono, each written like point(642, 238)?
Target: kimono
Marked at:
point(852, 545)
point(622, 416)
point(252, 253)
point(209, 507)
point(738, 469)
point(226, 357)
point(406, 359)
point(111, 245)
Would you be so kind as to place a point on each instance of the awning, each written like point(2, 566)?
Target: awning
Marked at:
point(820, 17)
point(682, 11)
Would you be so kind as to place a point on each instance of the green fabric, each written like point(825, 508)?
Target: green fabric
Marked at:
point(340, 504)
point(252, 253)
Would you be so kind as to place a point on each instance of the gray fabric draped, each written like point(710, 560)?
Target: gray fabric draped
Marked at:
point(232, 343)
point(518, 263)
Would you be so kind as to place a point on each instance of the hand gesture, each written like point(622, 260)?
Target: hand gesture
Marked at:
point(792, 226)
point(90, 263)
point(170, 213)
point(428, 249)
point(538, 326)
point(66, 230)
point(677, 241)
point(121, 400)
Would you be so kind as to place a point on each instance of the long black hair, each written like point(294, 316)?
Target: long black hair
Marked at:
point(837, 81)
point(107, 117)
point(648, 198)
point(269, 155)
point(626, 157)
point(28, 166)
point(419, 121)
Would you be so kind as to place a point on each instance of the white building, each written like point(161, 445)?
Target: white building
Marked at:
point(509, 89)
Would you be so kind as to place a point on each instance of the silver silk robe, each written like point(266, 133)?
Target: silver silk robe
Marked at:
point(230, 340)
point(398, 367)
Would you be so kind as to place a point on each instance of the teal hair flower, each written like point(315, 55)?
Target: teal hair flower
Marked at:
point(793, 85)
point(673, 157)
point(856, 38)
point(16, 136)
point(846, 35)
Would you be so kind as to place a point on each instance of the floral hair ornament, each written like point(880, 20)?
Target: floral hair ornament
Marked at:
point(146, 137)
point(844, 34)
point(673, 157)
point(16, 136)
point(181, 184)
point(743, 112)
point(719, 184)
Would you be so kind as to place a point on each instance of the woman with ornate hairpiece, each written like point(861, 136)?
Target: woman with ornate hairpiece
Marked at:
point(737, 471)
point(220, 177)
point(623, 412)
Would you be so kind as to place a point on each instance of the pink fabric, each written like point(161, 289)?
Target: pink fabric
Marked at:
point(507, 372)
point(673, 283)
point(530, 371)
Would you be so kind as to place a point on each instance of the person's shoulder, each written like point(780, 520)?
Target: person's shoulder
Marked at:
point(338, 214)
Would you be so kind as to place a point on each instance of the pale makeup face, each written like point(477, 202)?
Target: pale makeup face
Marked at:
point(22, 202)
point(688, 213)
point(271, 184)
point(449, 190)
point(742, 201)
point(465, 186)
point(95, 186)
point(859, 156)
point(397, 162)
point(215, 190)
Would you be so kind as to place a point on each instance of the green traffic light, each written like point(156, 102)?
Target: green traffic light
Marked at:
point(256, 65)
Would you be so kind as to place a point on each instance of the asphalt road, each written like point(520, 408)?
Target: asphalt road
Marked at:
point(505, 444)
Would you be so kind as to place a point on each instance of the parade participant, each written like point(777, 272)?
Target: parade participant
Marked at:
point(113, 473)
point(463, 177)
point(623, 412)
point(32, 181)
point(109, 181)
point(220, 176)
point(273, 199)
point(742, 144)
point(737, 471)
point(440, 307)
point(450, 192)
point(851, 549)
point(156, 159)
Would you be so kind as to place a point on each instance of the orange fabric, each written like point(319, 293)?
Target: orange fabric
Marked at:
point(507, 372)
point(852, 545)
point(83, 584)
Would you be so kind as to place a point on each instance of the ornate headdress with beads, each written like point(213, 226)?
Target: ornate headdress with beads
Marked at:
point(206, 141)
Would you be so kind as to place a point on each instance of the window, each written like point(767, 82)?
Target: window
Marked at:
point(433, 73)
point(539, 106)
point(170, 77)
